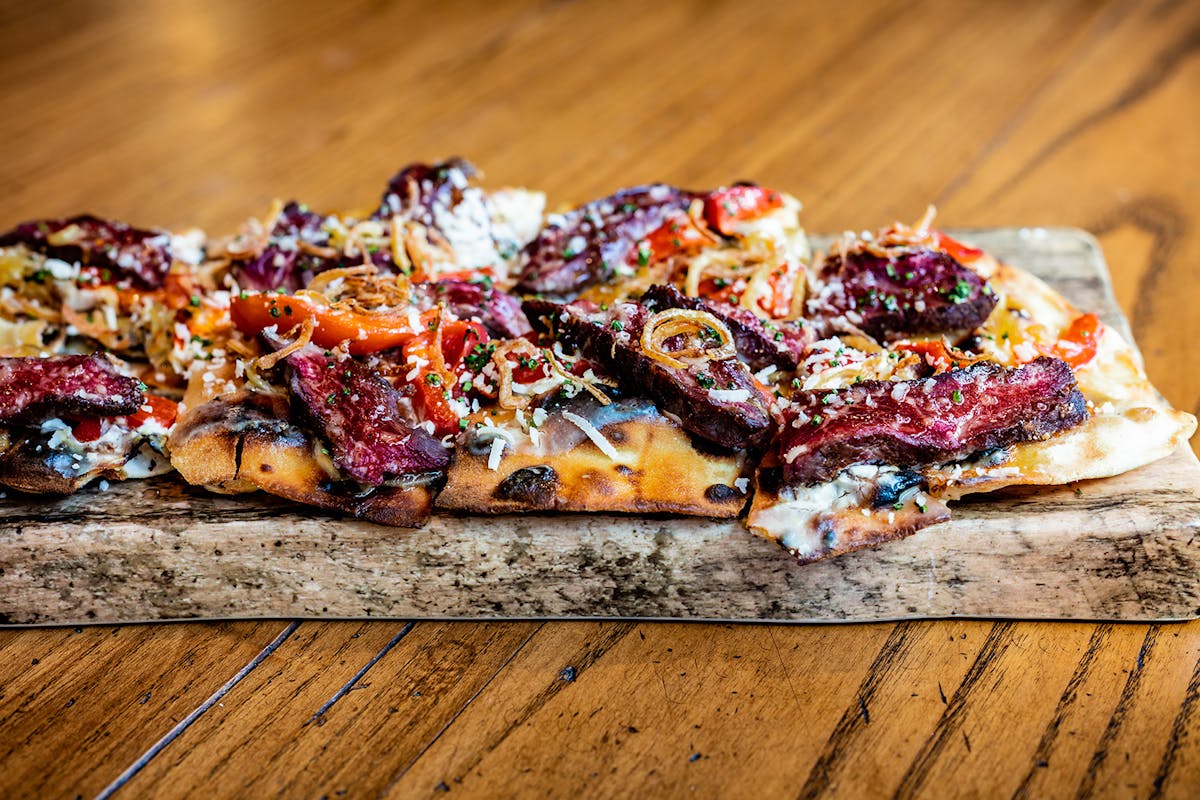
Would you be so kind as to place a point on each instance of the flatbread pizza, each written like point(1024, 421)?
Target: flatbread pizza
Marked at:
point(456, 349)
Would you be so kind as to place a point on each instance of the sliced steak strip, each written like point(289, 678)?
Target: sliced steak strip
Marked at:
point(908, 292)
point(355, 411)
point(297, 249)
point(417, 190)
point(760, 344)
point(924, 422)
point(716, 400)
point(441, 198)
point(500, 313)
point(84, 385)
point(592, 243)
point(141, 256)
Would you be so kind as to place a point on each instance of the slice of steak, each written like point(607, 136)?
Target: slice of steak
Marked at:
point(593, 243)
point(416, 191)
point(297, 249)
point(83, 385)
point(716, 400)
point(907, 292)
point(499, 312)
point(759, 343)
point(925, 422)
point(441, 198)
point(355, 411)
point(140, 256)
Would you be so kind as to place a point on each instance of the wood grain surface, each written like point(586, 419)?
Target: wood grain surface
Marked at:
point(1004, 114)
point(1115, 549)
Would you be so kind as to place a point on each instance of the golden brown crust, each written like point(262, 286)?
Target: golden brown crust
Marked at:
point(232, 445)
point(659, 470)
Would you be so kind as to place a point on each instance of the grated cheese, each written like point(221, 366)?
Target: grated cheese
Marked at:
point(729, 395)
point(497, 453)
point(590, 431)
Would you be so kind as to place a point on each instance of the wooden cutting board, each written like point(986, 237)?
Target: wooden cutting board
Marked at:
point(1125, 548)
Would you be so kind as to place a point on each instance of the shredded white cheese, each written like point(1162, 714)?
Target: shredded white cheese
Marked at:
point(497, 453)
point(590, 431)
point(729, 395)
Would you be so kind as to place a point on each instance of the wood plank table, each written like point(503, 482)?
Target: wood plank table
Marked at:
point(1076, 113)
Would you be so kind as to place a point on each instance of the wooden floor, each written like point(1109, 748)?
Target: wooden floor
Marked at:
point(1002, 113)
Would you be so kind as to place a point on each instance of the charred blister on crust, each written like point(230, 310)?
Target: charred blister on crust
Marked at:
point(536, 487)
point(720, 493)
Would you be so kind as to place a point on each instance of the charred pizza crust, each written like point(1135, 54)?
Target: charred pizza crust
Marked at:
point(245, 442)
point(654, 467)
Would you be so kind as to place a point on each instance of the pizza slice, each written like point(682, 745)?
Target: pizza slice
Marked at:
point(945, 373)
point(334, 378)
point(66, 421)
point(635, 401)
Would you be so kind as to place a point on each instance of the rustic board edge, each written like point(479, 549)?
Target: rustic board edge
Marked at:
point(1147, 572)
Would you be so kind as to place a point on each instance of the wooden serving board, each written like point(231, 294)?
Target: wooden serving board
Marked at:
point(1124, 548)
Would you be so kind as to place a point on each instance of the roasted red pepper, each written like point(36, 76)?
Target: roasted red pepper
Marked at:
point(1078, 343)
point(365, 332)
point(160, 409)
point(956, 249)
point(678, 235)
point(724, 208)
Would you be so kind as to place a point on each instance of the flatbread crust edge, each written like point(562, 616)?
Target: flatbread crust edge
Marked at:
point(230, 447)
point(658, 470)
point(1131, 425)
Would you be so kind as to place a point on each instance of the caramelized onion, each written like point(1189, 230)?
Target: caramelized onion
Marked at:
point(693, 324)
point(269, 360)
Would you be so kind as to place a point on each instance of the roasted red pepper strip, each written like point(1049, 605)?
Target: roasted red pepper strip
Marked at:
point(956, 249)
point(458, 337)
point(160, 409)
point(938, 354)
point(366, 333)
point(726, 207)
point(1078, 343)
point(680, 234)
point(436, 385)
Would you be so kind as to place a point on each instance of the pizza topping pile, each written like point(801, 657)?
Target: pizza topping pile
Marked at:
point(357, 412)
point(659, 350)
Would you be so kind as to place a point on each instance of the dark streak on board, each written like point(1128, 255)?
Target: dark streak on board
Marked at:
point(1164, 67)
point(1178, 732)
point(1066, 702)
point(610, 636)
point(994, 646)
point(319, 716)
point(1088, 784)
point(1166, 224)
point(854, 717)
point(195, 714)
point(516, 651)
